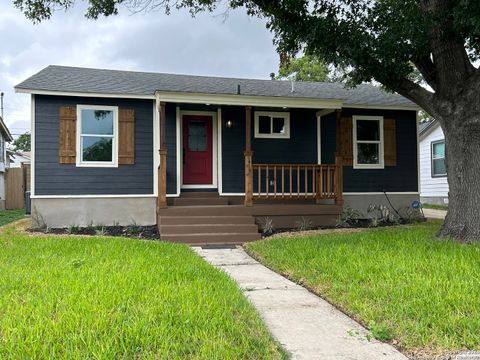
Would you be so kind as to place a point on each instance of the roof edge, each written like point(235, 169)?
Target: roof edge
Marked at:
point(4, 129)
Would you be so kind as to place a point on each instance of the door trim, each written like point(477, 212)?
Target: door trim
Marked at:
point(214, 183)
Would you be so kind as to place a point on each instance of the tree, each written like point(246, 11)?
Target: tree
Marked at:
point(381, 40)
point(22, 143)
point(305, 68)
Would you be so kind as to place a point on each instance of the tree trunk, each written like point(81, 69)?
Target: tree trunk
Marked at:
point(462, 151)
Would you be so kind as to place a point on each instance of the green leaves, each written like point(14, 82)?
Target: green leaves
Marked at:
point(305, 68)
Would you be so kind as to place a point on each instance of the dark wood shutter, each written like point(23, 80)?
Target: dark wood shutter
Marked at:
point(345, 139)
point(126, 136)
point(390, 142)
point(67, 138)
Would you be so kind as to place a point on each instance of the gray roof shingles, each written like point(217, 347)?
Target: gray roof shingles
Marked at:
point(84, 80)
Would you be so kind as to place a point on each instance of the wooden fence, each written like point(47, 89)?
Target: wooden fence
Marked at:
point(17, 181)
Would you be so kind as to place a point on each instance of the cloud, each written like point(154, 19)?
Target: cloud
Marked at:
point(209, 44)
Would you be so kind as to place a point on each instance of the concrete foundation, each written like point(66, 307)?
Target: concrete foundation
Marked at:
point(56, 212)
point(362, 202)
point(434, 200)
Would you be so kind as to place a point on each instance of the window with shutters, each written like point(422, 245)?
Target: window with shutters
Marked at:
point(272, 125)
point(97, 136)
point(438, 159)
point(368, 145)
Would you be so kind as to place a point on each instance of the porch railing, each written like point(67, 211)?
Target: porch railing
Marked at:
point(296, 181)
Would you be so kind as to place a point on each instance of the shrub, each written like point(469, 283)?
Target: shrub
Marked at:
point(349, 217)
point(304, 224)
point(266, 225)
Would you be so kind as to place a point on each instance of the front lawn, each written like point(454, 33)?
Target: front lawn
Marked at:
point(8, 216)
point(406, 285)
point(117, 298)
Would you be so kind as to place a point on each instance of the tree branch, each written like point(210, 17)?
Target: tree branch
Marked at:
point(427, 68)
point(415, 93)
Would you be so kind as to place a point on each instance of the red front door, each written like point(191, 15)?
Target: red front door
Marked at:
point(197, 150)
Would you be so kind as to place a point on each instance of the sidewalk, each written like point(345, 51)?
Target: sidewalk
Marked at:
point(305, 325)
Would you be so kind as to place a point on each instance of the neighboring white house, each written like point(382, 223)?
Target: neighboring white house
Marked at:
point(17, 158)
point(5, 137)
point(433, 174)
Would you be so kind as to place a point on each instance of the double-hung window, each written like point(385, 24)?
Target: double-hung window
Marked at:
point(272, 125)
point(368, 142)
point(438, 159)
point(97, 135)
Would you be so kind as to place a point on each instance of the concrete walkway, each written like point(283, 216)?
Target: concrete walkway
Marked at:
point(434, 213)
point(305, 325)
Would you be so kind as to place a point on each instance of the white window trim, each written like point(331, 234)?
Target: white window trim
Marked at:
point(356, 165)
point(432, 144)
point(284, 115)
point(103, 164)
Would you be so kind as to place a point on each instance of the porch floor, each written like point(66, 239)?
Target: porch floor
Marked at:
point(203, 219)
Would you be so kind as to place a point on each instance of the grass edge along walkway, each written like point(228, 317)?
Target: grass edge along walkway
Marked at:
point(408, 287)
point(99, 297)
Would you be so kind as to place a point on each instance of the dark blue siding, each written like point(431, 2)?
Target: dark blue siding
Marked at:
point(300, 148)
point(52, 178)
point(233, 146)
point(399, 178)
point(328, 131)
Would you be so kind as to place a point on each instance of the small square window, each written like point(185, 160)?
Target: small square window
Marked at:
point(272, 125)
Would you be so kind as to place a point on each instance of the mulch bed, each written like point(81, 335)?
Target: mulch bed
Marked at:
point(133, 231)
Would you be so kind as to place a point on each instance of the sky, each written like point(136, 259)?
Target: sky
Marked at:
point(209, 44)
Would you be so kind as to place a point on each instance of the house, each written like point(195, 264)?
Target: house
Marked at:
point(205, 156)
point(17, 158)
point(433, 173)
point(5, 137)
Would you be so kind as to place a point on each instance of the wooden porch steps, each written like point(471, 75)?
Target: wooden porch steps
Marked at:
point(200, 199)
point(206, 218)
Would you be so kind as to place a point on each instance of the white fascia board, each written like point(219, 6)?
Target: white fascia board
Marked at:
point(248, 100)
point(382, 107)
point(83, 94)
point(325, 112)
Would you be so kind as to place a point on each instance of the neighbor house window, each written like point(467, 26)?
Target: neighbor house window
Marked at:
point(272, 125)
point(368, 142)
point(438, 159)
point(97, 136)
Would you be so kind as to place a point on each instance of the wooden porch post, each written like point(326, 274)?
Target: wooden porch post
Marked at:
point(338, 180)
point(162, 168)
point(248, 157)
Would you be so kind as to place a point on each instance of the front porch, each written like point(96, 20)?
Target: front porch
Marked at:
point(207, 218)
point(282, 192)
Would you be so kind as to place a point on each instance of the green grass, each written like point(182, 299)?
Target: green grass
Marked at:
point(116, 298)
point(436, 207)
point(401, 282)
point(8, 216)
